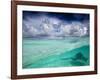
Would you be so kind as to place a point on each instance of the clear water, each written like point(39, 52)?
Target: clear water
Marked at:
point(72, 51)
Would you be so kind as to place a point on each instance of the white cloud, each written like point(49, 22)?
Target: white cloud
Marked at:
point(53, 27)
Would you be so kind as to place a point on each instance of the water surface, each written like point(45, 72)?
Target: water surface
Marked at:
point(72, 51)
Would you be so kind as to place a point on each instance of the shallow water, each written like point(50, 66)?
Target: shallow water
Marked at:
point(72, 51)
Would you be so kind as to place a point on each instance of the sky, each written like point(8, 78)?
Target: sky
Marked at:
point(54, 25)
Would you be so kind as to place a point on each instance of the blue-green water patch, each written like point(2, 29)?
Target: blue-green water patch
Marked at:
point(55, 53)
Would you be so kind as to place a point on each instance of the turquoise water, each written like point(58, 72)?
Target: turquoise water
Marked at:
point(72, 51)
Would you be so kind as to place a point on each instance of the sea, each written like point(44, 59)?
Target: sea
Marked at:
point(46, 53)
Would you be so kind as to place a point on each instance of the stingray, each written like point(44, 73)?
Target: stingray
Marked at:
point(78, 56)
point(77, 59)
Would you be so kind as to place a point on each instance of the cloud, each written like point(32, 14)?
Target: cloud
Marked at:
point(50, 27)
